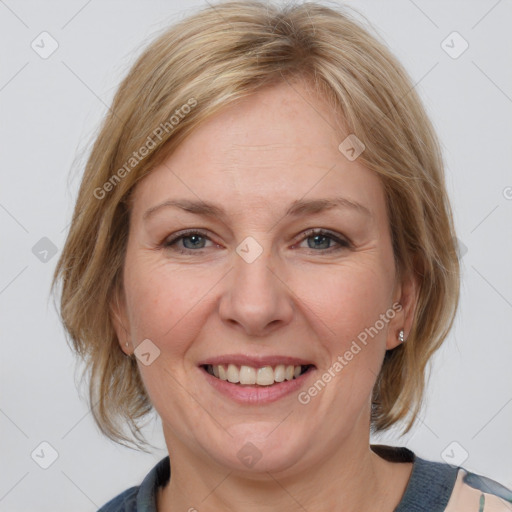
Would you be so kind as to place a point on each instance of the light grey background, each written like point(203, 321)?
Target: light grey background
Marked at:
point(50, 109)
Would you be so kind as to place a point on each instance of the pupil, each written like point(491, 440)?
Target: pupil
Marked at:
point(192, 237)
point(316, 237)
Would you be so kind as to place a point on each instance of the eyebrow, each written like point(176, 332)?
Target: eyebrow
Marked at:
point(299, 207)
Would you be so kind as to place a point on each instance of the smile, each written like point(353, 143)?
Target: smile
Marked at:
point(262, 376)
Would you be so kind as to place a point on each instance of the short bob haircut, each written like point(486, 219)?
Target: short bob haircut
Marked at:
point(189, 73)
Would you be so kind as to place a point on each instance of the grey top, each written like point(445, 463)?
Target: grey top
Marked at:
point(429, 488)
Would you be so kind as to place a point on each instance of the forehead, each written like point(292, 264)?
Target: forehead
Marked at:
point(279, 145)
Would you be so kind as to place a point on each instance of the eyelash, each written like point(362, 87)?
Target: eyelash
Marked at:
point(343, 244)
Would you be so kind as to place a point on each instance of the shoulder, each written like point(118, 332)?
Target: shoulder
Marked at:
point(444, 487)
point(124, 502)
point(141, 498)
point(478, 493)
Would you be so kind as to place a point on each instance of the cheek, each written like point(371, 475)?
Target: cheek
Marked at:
point(165, 305)
point(162, 301)
point(347, 298)
point(347, 303)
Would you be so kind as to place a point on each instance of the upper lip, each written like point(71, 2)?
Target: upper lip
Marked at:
point(254, 361)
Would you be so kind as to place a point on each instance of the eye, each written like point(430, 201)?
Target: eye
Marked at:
point(194, 241)
point(196, 238)
point(322, 240)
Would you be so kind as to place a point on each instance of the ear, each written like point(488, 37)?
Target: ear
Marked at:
point(406, 294)
point(119, 317)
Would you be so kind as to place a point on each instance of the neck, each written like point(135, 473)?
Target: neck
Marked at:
point(352, 478)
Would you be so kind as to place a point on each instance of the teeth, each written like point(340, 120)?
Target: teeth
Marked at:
point(233, 374)
point(247, 375)
point(265, 376)
point(279, 373)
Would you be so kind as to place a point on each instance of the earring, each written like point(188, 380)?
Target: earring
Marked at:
point(401, 337)
point(126, 343)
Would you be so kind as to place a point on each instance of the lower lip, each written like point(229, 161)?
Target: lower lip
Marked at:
point(249, 394)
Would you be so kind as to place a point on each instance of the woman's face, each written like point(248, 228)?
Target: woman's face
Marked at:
point(251, 288)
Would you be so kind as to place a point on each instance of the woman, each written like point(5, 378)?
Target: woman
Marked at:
point(263, 250)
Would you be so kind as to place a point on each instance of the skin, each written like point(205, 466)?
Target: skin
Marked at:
point(299, 298)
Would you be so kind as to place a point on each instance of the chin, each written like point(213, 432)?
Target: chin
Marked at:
point(259, 448)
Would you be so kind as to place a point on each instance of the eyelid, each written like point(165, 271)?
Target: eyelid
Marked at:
point(342, 241)
point(338, 237)
point(168, 241)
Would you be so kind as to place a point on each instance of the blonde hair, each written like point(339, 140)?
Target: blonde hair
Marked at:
point(207, 61)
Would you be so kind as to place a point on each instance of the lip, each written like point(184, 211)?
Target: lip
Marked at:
point(254, 394)
point(255, 361)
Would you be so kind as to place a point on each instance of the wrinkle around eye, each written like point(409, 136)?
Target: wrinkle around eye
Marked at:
point(349, 233)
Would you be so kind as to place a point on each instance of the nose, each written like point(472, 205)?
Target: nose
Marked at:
point(256, 299)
